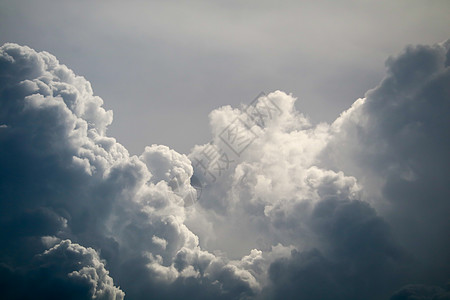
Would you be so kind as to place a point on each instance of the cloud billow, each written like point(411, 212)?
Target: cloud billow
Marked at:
point(395, 140)
point(300, 211)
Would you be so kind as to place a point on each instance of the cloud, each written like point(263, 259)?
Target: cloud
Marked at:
point(358, 258)
point(62, 178)
point(287, 209)
point(292, 185)
point(410, 292)
point(67, 270)
point(394, 140)
point(274, 193)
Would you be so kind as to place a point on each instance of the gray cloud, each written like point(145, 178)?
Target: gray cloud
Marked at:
point(66, 270)
point(63, 179)
point(395, 141)
point(411, 292)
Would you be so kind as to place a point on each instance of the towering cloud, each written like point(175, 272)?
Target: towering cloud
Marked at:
point(352, 210)
point(75, 197)
point(396, 142)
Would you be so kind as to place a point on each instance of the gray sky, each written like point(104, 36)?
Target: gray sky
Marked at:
point(164, 66)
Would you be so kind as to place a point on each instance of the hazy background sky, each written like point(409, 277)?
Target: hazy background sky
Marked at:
point(164, 65)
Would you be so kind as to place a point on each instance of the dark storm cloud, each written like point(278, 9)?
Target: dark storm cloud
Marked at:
point(411, 292)
point(359, 261)
point(396, 141)
point(66, 271)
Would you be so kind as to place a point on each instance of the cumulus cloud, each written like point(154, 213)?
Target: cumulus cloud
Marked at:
point(275, 193)
point(411, 292)
point(395, 141)
point(63, 178)
point(67, 270)
point(356, 209)
point(365, 199)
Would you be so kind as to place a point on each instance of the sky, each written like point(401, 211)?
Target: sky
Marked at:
point(238, 150)
point(200, 55)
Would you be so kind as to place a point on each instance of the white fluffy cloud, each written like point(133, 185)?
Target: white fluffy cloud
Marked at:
point(80, 267)
point(288, 209)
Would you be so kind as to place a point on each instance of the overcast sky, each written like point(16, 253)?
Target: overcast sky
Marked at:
point(162, 66)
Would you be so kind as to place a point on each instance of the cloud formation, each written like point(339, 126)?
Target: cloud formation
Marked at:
point(356, 209)
point(395, 141)
point(64, 182)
